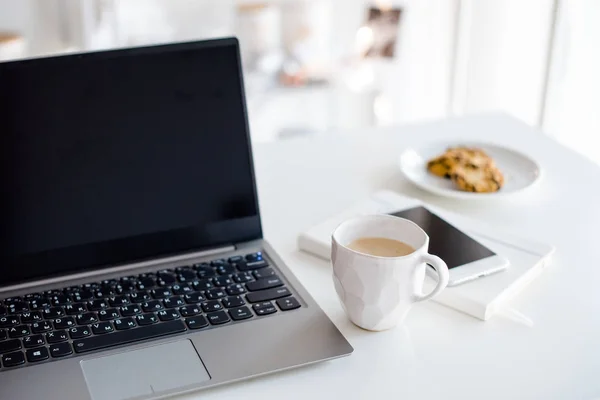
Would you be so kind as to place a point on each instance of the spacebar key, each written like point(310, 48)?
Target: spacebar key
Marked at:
point(129, 336)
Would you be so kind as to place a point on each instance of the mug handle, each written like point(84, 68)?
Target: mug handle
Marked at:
point(443, 276)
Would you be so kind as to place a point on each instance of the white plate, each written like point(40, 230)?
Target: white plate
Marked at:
point(520, 171)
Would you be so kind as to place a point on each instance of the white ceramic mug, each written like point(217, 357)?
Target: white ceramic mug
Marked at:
point(377, 292)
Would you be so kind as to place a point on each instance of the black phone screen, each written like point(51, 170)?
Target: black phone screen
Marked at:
point(446, 241)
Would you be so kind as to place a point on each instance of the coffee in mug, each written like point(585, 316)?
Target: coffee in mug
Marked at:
point(381, 247)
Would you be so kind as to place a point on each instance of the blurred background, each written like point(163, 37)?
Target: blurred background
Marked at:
point(317, 66)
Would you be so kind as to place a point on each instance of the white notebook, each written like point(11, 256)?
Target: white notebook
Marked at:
point(481, 298)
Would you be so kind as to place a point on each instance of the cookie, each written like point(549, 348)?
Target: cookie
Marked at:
point(472, 157)
point(442, 166)
point(479, 180)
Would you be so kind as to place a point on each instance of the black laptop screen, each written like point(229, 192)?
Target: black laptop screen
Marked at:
point(124, 155)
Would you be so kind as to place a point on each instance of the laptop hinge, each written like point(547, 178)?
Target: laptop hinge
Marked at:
point(120, 268)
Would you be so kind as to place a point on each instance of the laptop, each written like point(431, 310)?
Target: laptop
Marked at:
point(132, 260)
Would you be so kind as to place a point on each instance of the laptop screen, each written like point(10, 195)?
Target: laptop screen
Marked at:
point(119, 156)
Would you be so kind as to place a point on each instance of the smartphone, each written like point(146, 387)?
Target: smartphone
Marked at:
point(467, 259)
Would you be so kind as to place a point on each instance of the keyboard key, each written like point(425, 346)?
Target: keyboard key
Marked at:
point(17, 307)
point(124, 323)
point(86, 319)
point(39, 304)
point(125, 287)
point(173, 302)
point(289, 303)
point(3, 311)
point(41, 327)
point(7, 322)
point(79, 332)
point(84, 295)
point(205, 271)
point(69, 291)
point(166, 278)
point(214, 294)
point(76, 308)
point(11, 300)
point(240, 313)
point(264, 308)
point(61, 350)
point(233, 301)
point(53, 312)
point(33, 341)
point(147, 282)
point(202, 285)
point(262, 304)
point(9, 345)
point(97, 305)
point(38, 354)
point(194, 298)
point(56, 336)
point(184, 288)
point(32, 296)
point(243, 277)
point(109, 314)
point(13, 359)
point(225, 269)
point(118, 301)
point(109, 285)
point(151, 306)
point(189, 311)
point(187, 275)
point(269, 294)
point(218, 318)
point(59, 300)
point(210, 306)
point(139, 297)
point(3, 334)
point(128, 279)
point(222, 281)
point(64, 323)
point(101, 294)
point(165, 272)
point(254, 256)
point(196, 322)
point(265, 283)
point(168, 315)
point(249, 265)
point(264, 273)
point(160, 293)
point(19, 331)
point(235, 259)
point(128, 336)
point(146, 319)
point(129, 311)
point(216, 263)
point(102, 327)
point(29, 317)
point(235, 289)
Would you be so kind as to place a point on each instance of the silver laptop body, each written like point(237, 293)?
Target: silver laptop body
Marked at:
point(172, 308)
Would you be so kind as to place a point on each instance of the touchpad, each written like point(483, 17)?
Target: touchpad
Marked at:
point(145, 371)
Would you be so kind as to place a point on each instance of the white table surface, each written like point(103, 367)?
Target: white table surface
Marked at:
point(438, 352)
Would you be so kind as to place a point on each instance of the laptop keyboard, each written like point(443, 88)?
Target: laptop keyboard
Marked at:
point(54, 324)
